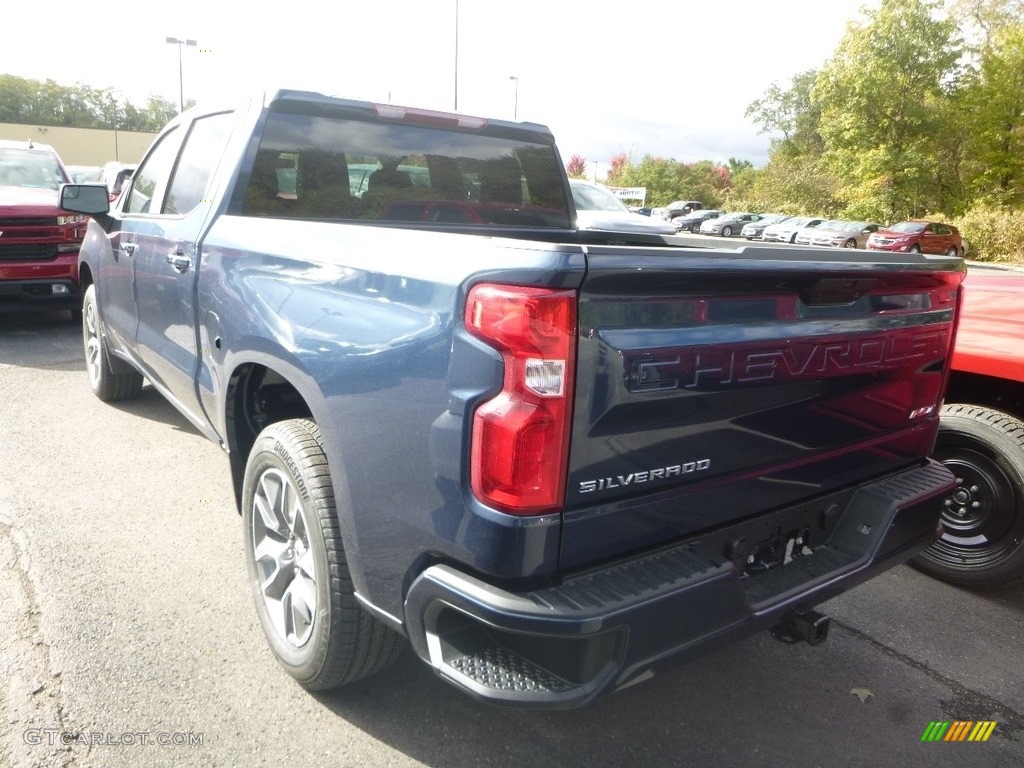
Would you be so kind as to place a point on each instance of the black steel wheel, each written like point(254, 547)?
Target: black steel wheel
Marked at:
point(983, 542)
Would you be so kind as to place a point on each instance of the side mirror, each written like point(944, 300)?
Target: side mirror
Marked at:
point(85, 198)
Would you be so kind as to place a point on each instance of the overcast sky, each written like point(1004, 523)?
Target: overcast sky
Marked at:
point(605, 77)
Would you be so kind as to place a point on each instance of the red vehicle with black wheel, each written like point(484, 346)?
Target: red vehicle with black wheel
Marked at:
point(981, 437)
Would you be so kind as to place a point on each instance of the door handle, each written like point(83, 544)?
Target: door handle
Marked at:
point(179, 261)
point(128, 249)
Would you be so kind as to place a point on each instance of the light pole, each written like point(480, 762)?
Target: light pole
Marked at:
point(181, 78)
point(515, 106)
point(117, 153)
point(456, 56)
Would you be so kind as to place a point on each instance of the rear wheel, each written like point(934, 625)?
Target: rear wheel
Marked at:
point(953, 252)
point(104, 382)
point(851, 243)
point(726, 231)
point(983, 542)
point(297, 567)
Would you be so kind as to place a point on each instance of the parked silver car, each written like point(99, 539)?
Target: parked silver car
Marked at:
point(804, 235)
point(728, 224)
point(842, 234)
point(597, 208)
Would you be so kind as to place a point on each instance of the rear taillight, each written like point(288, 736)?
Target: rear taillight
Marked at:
point(520, 443)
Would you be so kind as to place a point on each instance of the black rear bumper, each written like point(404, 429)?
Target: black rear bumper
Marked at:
point(563, 645)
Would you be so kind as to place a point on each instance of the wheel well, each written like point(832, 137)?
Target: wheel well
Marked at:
point(989, 391)
point(257, 397)
point(84, 276)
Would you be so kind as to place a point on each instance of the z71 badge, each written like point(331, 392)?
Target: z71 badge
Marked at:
point(645, 476)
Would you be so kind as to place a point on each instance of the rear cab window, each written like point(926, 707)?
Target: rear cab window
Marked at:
point(353, 168)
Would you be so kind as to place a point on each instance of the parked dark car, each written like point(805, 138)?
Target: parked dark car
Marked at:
point(680, 208)
point(918, 237)
point(691, 221)
point(752, 230)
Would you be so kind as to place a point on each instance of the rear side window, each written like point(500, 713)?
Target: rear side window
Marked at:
point(322, 167)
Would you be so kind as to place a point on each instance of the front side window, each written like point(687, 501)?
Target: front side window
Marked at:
point(323, 167)
point(198, 160)
point(155, 168)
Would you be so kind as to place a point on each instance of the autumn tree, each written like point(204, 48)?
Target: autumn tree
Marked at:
point(576, 168)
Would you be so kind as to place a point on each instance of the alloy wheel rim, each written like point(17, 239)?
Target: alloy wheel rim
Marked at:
point(93, 350)
point(284, 558)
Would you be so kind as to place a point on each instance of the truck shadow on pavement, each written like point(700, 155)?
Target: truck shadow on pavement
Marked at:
point(43, 340)
point(151, 405)
point(754, 703)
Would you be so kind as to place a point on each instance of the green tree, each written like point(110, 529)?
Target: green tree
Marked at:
point(994, 99)
point(881, 97)
point(26, 101)
point(793, 113)
point(797, 185)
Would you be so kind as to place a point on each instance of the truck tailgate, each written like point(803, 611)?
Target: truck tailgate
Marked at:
point(717, 386)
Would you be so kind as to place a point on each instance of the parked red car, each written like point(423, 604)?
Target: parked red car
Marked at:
point(918, 237)
point(981, 437)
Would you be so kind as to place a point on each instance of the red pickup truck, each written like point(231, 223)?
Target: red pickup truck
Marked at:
point(39, 243)
point(981, 437)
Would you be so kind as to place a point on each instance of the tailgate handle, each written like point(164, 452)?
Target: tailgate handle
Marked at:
point(835, 290)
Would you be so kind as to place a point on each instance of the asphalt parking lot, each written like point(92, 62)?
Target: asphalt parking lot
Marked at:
point(130, 636)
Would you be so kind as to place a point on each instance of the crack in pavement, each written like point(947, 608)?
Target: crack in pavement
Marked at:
point(966, 703)
point(31, 701)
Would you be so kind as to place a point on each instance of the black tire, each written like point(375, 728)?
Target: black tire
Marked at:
point(851, 243)
point(983, 543)
point(915, 248)
point(103, 381)
point(288, 477)
point(726, 231)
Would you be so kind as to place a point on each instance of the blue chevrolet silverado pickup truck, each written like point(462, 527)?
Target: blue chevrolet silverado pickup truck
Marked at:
point(548, 458)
